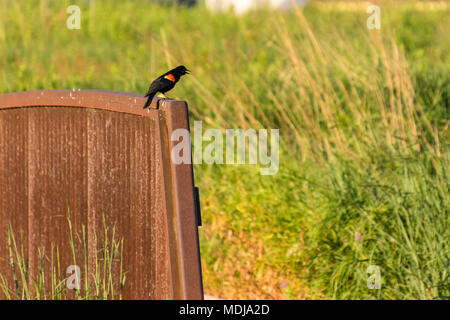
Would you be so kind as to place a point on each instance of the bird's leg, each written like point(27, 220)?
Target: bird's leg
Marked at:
point(167, 97)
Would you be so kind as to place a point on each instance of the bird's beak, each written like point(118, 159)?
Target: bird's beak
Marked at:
point(188, 71)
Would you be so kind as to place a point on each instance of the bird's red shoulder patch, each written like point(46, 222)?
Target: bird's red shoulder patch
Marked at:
point(170, 77)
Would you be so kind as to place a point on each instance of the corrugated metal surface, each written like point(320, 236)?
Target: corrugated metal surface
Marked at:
point(101, 155)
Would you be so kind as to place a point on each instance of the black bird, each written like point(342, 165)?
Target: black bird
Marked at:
point(165, 83)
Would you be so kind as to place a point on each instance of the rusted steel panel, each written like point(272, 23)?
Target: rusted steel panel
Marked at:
point(57, 174)
point(106, 158)
point(13, 183)
point(124, 185)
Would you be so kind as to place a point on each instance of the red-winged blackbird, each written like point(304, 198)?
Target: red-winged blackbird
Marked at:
point(165, 83)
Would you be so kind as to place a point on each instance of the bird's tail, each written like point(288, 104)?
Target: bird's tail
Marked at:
point(149, 100)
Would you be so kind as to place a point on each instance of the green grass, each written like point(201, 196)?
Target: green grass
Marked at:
point(363, 118)
point(49, 282)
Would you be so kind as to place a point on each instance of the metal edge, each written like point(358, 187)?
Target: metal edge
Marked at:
point(95, 99)
point(176, 116)
point(168, 206)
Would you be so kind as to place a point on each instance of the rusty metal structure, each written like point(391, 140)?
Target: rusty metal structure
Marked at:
point(99, 155)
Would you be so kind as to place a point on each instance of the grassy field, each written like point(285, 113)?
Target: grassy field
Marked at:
point(364, 132)
point(49, 281)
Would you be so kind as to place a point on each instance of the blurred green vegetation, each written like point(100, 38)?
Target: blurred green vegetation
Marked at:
point(363, 118)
